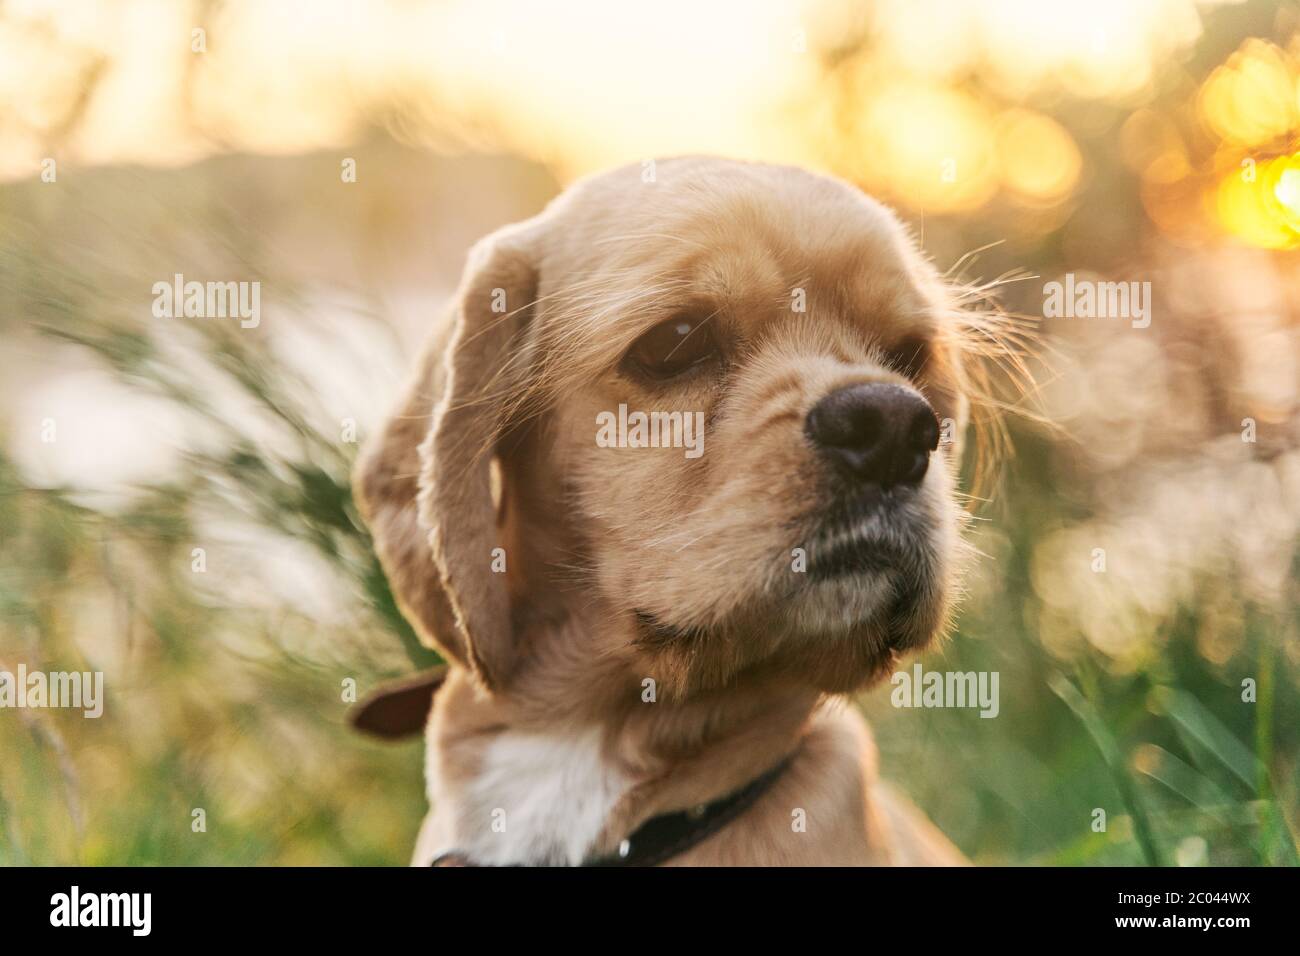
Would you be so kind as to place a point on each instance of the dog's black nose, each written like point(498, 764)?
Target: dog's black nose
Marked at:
point(875, 434)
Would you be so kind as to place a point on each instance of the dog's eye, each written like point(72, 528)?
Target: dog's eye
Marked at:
point(672, 347)
point(909, 356)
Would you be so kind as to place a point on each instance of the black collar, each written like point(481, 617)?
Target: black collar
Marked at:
point(661, 838)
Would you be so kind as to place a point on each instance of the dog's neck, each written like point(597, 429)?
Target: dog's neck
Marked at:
point(578, 756)
point(592, 738)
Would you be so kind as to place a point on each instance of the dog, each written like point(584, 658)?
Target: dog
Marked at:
point(648, 651)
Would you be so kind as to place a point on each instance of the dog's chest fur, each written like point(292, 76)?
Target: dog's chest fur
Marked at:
point(540, 799)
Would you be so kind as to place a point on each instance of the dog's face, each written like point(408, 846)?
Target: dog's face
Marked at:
point(802, 361)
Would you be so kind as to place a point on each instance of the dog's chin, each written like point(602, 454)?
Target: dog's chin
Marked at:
point(858, 614)
point(841, 605)
point(840, 624)
point(876, 563)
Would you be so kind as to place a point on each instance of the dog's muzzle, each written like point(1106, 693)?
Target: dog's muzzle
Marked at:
point(877, 440)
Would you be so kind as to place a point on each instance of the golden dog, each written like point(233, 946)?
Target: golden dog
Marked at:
point(634, 628)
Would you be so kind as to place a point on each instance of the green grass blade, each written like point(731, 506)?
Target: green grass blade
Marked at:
point(1110, 753)
point(1193, 719)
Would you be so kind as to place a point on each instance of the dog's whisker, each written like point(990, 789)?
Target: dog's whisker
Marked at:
point(649, 235)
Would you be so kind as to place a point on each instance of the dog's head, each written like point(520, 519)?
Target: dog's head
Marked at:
point(798, 365)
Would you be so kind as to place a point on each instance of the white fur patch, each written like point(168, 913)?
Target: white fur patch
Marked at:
point(549, 796)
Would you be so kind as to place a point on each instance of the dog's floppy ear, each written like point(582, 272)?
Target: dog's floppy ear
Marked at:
point(424, 484)
point(398, 708)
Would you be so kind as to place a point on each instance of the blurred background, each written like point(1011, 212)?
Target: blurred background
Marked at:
point(174, 501)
